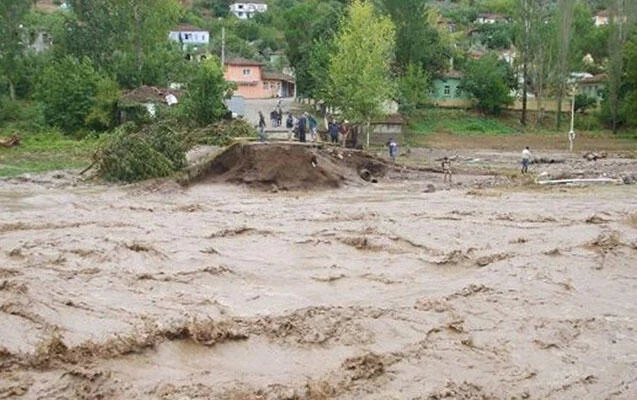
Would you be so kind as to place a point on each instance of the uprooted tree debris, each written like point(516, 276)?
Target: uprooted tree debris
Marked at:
point(158, 150)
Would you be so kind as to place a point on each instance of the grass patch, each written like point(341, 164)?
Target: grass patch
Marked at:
point(45, 151)
point(458, 122)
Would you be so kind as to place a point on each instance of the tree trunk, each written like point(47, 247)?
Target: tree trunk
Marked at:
point(11, 90)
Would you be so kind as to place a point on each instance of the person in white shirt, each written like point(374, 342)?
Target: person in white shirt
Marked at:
point(526, 157)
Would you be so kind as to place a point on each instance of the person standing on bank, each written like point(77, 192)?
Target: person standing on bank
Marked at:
point(302, 127)
point(526, 158)
point(446, 169)
point(393, 149)
point(261, 127)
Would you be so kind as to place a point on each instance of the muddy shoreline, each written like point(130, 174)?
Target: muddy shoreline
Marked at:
point(481, 290)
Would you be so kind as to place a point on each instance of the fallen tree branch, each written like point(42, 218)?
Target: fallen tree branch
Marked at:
point(579, 180)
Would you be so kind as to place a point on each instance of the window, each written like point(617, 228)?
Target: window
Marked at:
point(266, 85)
point(239, 14)
point(240, 6)
point(246, 71)
point(447, 90)
point(458, 92)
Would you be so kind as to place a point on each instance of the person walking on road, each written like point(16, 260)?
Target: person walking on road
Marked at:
point(526, 158)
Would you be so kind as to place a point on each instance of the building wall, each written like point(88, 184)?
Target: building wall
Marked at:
point(447, 89)
point(381, 134)
point(190, 37)
point(243, 73)
point(247, 10)
point(593, 90)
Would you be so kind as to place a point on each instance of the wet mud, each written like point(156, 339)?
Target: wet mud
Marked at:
point(374, 291)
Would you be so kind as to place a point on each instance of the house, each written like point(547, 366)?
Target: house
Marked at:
point(601, 18)
point(447, 86)
point(389, 127)
point(145, 101)
point(605, 17)
point(255, 83)
point(592, 86)
point(190, 36)
point(247, 10)
point(491, 18)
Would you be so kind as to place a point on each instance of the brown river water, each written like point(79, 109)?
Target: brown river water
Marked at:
point(369, 291)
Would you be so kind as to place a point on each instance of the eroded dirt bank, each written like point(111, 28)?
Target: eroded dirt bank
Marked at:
point(370, 291)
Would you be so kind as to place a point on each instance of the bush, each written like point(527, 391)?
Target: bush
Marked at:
point(152, 152)
point(70, 91)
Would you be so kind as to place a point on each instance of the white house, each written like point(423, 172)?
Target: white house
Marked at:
point(247, 10)
point(491, 18)
point(190, 35)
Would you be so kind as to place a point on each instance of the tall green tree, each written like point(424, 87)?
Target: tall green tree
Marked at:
point(103, 30)
point(622, 14)
point(12, 39)
point(565, 27)
point(418, 42)
point(308, 25)
point(360, 70)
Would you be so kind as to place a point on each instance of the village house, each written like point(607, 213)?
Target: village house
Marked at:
point(592, 86)
point(247, 10)
point(190, 36)
point(253, 82)
point(604, 17)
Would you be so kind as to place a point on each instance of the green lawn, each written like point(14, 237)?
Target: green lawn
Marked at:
point(44, 152)
point(458, 122)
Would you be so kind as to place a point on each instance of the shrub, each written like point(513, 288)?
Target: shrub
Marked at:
point(70, 91)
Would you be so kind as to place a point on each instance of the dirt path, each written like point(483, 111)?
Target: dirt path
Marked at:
point(369, 291)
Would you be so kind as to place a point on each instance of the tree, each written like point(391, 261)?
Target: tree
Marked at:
point(489, 81)
point(621, 20)
point(412, 88)
point(360, 80)
point(104, 30)
point(71, 90)
point(206, 92)
point(565, 25)
point(12, 39)
point(307, 25)
point(417, 40)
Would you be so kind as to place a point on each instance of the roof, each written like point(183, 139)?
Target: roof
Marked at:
point(243, 61)
point(277, 76)
point(148, 94)
point(452, 74)
point(188, 28)
point(391, 119)
point(594, 79)
point(494, 16)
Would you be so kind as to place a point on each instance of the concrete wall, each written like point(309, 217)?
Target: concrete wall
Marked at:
point(381, 134)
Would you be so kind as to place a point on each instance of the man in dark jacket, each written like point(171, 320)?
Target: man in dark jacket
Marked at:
point(302, 127)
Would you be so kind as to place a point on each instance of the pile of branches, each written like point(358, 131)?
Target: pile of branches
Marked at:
point(222, 133)
point(131, 155)
point(158, 150)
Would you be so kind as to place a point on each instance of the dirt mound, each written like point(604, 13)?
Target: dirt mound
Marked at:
point(287, 166)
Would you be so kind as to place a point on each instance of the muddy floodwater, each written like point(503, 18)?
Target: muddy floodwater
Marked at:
point(382, 291)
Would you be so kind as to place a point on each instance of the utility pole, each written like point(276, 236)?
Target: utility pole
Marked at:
point(571, 133)
point(223, 46)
